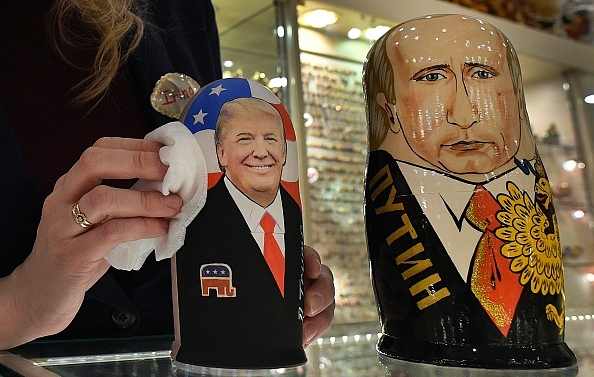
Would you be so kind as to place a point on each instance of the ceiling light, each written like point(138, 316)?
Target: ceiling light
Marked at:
point(373, 34)
point(578, 214)
point(318, 18)
point(589, 99)
point(354, 33)
point(308, 119)
point(228, 63)
point(569, 165)
point(312, 174)
point(278, 82)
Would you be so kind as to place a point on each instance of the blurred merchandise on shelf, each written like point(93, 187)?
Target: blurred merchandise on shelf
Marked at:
point(552, 135)
point(336, 142)
point(543, 13)
point(575, 20)
point(566, 18)
point(537, 13)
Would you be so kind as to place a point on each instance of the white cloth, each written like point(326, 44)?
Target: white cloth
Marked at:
point(187, 177)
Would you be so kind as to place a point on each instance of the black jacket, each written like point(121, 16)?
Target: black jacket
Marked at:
point(450, 327)
point(180, 36)
point(258, 328)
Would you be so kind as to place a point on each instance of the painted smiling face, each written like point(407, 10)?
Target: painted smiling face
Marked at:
point(251, 148)
point(455, 100)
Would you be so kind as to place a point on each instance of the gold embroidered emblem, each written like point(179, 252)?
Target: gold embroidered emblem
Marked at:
point(554, 315)
point(530, 232)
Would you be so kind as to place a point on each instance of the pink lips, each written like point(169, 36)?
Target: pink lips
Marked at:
point(463, 146)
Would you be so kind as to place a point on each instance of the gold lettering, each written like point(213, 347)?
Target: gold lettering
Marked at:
point(380, 182)
point(432, 297)
point(417, 265)
point(384, 172)
point(416, 249)
point(406, 228)
point(390, 205)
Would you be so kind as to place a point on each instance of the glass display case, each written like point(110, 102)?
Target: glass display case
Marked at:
point(346, 350)
point(334, 133)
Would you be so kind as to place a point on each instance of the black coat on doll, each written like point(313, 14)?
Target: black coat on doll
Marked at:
point(180, 36)
point(258, 327)
point(427, 311)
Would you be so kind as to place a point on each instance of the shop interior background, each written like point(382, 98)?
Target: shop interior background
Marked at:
point(557, 76)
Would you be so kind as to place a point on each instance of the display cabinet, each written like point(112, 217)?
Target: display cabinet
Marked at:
point(554, 84)
point(334, 133)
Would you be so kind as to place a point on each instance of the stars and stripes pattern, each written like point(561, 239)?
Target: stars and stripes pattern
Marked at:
point(215, 270)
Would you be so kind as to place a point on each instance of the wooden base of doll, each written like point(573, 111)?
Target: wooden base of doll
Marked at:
point(186, 370)
point(446, 360)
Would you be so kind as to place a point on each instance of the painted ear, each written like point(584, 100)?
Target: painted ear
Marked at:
point(390, 110)
point(285, 153)
point(386, 106)
point(220, 157)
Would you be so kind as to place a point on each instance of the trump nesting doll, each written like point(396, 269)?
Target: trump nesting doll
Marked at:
point(238, 279)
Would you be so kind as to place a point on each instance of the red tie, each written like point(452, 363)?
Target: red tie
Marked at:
point(272, 252)
point(492, 281)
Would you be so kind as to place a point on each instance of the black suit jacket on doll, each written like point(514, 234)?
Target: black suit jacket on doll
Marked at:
point(180, 36)
point(257, 328)
point(451, 323)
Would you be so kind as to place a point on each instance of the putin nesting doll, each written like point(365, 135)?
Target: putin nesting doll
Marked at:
point(462, 234)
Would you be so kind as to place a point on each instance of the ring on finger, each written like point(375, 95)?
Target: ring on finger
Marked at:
point(79, 217)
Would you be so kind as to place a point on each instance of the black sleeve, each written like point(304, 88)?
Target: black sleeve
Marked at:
point(181, 36)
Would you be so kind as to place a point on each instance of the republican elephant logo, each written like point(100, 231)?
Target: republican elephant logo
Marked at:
point(217, 277)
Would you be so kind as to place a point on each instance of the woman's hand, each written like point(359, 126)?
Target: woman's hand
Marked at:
point(42, 296)
point(319, 297)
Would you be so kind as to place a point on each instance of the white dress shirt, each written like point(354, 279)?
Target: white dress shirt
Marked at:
point(252, 213)
point(433, 190)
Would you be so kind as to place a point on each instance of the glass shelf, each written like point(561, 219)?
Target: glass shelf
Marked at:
point(345, 350)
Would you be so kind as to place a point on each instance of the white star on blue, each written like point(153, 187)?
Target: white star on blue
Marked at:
point(217, 90)
point(210, 100)
point(199, 118)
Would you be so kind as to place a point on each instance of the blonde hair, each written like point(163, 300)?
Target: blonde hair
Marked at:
point(239, 106)
point(109, 27)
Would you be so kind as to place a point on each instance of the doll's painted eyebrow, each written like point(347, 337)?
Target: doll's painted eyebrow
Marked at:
point(417, 76)
point(253, 135)
point(486, 67)
point(420, 74)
